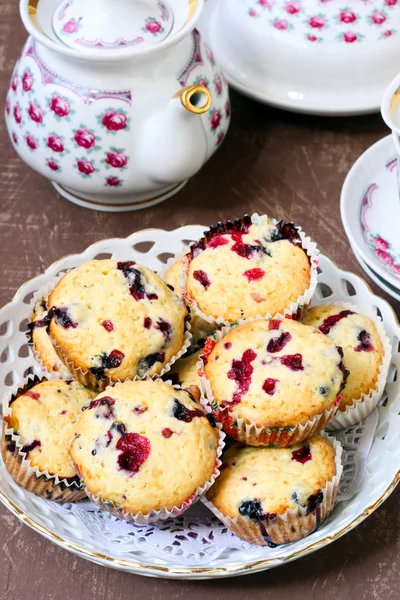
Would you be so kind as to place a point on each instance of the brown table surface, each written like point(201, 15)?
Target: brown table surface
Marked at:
point(272, 162)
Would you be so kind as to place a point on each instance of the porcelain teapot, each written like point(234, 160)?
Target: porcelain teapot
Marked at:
point(117, 102)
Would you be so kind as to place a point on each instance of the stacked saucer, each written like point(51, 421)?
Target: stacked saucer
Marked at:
point(370, 209)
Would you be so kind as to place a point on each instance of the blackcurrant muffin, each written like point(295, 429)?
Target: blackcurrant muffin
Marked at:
point(185, 372)
point(40, 341)
point(273, 381)
point(270, 496)
point(252, 267)
point(111, 321)
point(38, 428)
point(200, 328)
point(363, 348)
point(146, 450)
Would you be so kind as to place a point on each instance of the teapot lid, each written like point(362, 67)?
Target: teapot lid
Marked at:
point(112, 24)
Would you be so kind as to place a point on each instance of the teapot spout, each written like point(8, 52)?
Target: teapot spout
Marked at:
point(174, 143)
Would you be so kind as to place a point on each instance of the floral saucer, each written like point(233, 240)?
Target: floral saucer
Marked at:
point(370, 209)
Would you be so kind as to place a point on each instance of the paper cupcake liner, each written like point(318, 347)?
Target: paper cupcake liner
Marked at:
point(249, 433)
point(63, 373)
point(292, 525)
point(362, 407)
point(87, 378)
point(41, 483)
point(295, 310)
point(164, 513)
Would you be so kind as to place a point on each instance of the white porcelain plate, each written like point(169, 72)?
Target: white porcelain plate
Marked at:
point(370, 209)
point(202, 547)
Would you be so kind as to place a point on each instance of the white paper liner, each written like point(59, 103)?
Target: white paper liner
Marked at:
point(86, 377)
point(242, 430)
point(42, 483)
point(292, 525)
point(164, 513)
point(63, 373)
point(295, 310)
point(363, 406)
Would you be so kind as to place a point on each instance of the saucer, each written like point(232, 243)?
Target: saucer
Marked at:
point(370, 210)
point(309, 57)
point(380, 282)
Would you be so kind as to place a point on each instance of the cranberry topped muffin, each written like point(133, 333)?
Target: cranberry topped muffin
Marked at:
point(40, 340)
point(44, 416)
point(275, 375)
point(199, 328)
point(257, 486)
point(145, 446)
point(242, 270)
point(185, 371)
point(114, 320)
point(362, 348)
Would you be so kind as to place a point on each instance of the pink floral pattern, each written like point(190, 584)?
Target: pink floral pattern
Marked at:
point(116, 159)
point(384, 252)
point(27, 81)
point(17, 114)
point(113, 182)
point(317, 22)
point(31, 142)
point(378, 18)
point(55, 143)
point(215, 119)
point(218, 85)
point(281, 24)
point(152, 26)
point(14, 83)
point(70, 27)
point(53, 165)
point(337, 22)
point(85, 138)
point(114, 120)
point(85, 167)
point(60, 106)
point(36, 113)
point(15, 137)
point(347, 16)
point(292, 8)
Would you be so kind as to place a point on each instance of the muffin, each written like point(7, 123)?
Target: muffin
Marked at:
point(38, 429)
point(249, 268)
point(145, 448)
point(270, 496)
point(185, 371)
point(199, 327)
point(273, 381)
point(363, 350)
point(111, 321)
point(40, 340)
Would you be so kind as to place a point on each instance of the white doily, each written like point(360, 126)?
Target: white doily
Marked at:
point(198, 534)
